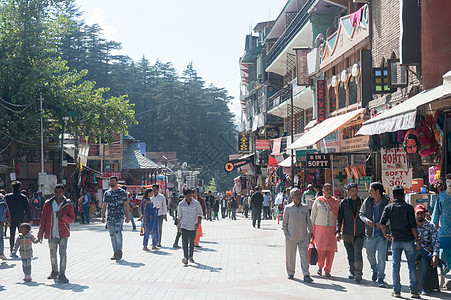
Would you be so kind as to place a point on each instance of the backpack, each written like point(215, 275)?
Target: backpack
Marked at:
point(374, 143)
point(3, 208)
point(411, 142)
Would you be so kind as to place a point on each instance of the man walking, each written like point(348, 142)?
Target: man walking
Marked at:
point(57, 215)
point(189, 215)
point(159, 201)
point(371, 214)
point(17, 204)
point(404, 232)
point(266, 206)
point(131, 204)
point(223, 206)
point(86, 204)
point(209, 200)
point(256, 205)
point(115, 199)
point(308, 197)
point(298, 231)
point(353, 231)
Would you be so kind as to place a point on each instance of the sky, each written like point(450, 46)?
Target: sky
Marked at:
point(210, 33)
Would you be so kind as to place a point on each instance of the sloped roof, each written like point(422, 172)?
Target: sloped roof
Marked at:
point(133, 159)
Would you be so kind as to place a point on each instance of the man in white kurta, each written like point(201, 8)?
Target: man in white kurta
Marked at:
point(298, 231)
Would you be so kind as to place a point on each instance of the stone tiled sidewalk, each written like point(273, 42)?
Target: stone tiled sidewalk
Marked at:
point(236, 261)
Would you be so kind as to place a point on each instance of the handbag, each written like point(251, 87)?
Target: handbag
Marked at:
point(312, 254)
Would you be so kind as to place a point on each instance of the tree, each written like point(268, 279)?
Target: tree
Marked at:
point(212, 186)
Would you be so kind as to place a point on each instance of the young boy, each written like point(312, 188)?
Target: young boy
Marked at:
point(24, 244)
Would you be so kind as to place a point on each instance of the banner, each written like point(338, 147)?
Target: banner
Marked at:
point(394, 159)
point(301, 157)
point(331, 143)
point(321, 100)
point(318, 161)
point(243, 142)
point(262, 145)
point(301, 67)
point(276, 146)
point(236, 163)
point(350, 142)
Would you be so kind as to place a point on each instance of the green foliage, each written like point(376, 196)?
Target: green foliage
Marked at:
point(212, 186)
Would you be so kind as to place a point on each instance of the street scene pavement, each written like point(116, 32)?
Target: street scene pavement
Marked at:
point(236, 261)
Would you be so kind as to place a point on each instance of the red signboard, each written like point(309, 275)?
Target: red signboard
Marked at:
point(109, 174)
point(321, 100)
point(262, 145)
point(301, 63)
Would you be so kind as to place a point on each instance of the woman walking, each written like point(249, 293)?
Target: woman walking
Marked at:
point(149, 221)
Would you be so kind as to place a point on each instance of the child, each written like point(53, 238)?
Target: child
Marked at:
point(35, 209)
point(24, 243)
point(216, 210)
point(149, 220)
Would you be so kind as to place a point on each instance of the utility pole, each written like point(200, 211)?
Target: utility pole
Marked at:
point(42, 134)
point(292, 135)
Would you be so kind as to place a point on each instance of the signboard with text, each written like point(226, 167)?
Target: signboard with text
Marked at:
point(301, 157)
point(301, 66)
point(276, 146)
point(395, 169)
point(350, 142)
point(331, 143)
point(321, 100)
point(318, 161)
point(243, 142)
point(262, 145)
point(394, 159)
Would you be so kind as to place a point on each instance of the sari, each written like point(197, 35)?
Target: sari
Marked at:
point(149, 224)
point(325, 239)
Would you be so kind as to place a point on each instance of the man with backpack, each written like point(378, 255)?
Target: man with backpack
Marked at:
point(4, 218)
point(18, 206)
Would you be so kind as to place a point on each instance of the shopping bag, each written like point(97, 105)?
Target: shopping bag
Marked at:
point(312, 253)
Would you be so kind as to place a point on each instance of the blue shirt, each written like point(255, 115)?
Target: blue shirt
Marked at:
point(266, 200)
point(377, 215)
point(115, 200)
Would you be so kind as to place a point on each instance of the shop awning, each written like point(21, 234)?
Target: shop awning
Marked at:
point(323, 129)
point(402, 116)
point(287, 162)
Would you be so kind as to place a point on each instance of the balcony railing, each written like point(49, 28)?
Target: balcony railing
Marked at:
point(301, 19)
point(278, 98)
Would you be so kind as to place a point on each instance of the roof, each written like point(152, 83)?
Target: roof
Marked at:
point(134, 160)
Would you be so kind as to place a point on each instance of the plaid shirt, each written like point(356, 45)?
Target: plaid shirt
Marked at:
point(428, 237)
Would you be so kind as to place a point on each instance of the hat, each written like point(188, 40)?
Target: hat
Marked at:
point(351, 185)
point(420, 207)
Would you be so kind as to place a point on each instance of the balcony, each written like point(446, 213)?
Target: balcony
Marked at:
point(349, 37)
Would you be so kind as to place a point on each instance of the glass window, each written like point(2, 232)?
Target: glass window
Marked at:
point(352, 91)
point(341, 96)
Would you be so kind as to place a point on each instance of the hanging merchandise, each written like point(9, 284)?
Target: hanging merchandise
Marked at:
point(400, 136)
point(432, 173)
point(374, 143)
point(389, 140)
point(427, 139)
point(411, 142)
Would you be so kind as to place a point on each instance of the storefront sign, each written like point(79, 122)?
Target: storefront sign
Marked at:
point(394, 177)
point(109, 174)
point(394, 159)
point(318, 161)
point(236, 163)
point(321, 100)
point(301, 157)
point(331, 143)
point(277, 144)
point(262, 145)
point(243, 142)
point(301, 64)
point(350, 142)
point(272, 133)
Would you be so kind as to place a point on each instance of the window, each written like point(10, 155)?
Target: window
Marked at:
point(380, 81)
point(308, 115)
point(352, 90)
point(341, 95)
point(332, 100)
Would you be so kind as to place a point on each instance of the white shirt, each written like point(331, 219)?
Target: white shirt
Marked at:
point(189, 213)
point(160, 202)
point(55, 208)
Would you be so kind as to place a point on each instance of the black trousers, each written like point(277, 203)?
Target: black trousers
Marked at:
point(188, 236)
point(223, 212)
point(12, 234)
point(354, 251)
point(266, 212)
point(256, 216)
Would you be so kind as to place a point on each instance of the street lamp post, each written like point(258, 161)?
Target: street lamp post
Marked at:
point(292, 134)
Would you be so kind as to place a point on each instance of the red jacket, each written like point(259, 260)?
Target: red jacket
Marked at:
point(68, 217)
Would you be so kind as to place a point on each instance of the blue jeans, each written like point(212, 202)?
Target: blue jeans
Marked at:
point(26, 266)
point(378, 244)
point(409, 248)
point(2, 240)
point(130, 215)
point(115, 229)
point(233, 213)
point(85, 215)
point(426, 260)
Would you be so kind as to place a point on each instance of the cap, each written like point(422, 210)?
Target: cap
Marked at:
point(351, 185)
point(420, 207)
point(310, 186)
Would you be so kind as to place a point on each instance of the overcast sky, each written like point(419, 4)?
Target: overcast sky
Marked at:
point(210, 33)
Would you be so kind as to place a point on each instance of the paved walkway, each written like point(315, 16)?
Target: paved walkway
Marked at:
point(236, 261)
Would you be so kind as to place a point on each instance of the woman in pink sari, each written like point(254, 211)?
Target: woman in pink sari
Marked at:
point(324, 220)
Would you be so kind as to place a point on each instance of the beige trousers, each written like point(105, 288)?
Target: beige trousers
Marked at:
point(290, 251)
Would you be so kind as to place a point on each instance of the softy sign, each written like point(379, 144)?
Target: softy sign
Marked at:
point(318, 161)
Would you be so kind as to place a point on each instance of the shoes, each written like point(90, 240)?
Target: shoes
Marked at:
point(27, 278)
point(191, 260)
point(415, 295)
point(145, 248)
point(134, 227)
point(197, 246)
point(308, 279)
point(358, 277)
point(381, 283)
point(155, 248)
point(175, 246)
point(13, 255)
point(159, 245)
point(114, 256)
point(2, 257)
point(425, 293)
point(327, 275)
point(118, 254)
point(374, 277)
point(258, 226)
point(319, 272)
point(62, 278)
point(396, 294)
point(290, 276)
point(351, 275)
point(53, 275)
point(185, 261)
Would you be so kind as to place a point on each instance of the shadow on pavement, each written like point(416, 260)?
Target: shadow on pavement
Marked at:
point(316, 284)
point(204, 249)
point(77, 288)
point(129, 263)
point(205, 267)
point(207, 242)
point(4, 266)
point(2, 288)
